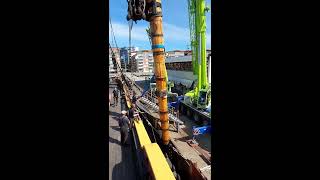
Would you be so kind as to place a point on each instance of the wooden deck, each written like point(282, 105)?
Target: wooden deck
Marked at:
point(121, 165)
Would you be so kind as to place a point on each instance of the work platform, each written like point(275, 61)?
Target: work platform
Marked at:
point(121, 164)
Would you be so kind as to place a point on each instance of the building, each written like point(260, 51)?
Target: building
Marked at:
point(189, 52)
point(124, 57)
point(124, 53)
point(133, 62)
point(142, 61)
point(175, 53)
point(180, 69)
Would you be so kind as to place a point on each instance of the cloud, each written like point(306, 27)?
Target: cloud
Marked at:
point(121, 31)
point(175, 33)
point(172, 34)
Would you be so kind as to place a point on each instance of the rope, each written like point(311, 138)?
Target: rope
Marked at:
point(114, 38)
point(114, 55)
point(113, 33)
point(130, 23)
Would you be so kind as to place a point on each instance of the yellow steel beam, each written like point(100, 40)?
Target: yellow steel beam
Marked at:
point(142, 133)
point(158, 163)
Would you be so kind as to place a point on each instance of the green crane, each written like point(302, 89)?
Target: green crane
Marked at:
point(200, 95)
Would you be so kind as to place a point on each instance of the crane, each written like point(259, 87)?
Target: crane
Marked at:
point(197, 101)
point(199, 96)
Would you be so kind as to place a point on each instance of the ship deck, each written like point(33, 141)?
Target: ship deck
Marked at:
point(121, 164)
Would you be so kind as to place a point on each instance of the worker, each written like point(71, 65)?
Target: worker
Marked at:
point(109, 101)
point(131, 113)
point(115, 96)
point(134, 98)
point(124, 124)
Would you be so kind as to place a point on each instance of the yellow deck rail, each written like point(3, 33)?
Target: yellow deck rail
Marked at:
point(158, 163)
point(142, 133)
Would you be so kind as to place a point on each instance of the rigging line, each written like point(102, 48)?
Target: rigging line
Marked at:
point(130, 23)
point(109, 31)
point(114, 42)
point(114, 55)
point(111, 49)
point(113, 32)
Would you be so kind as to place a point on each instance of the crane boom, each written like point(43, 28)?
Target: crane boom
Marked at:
point(197, 25)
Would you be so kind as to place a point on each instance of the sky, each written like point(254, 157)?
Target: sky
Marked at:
point(175, 26)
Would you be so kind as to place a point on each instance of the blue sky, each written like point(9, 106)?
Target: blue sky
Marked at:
point(175, 25)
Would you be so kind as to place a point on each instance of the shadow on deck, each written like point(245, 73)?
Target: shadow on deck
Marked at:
point(112, 113)
point(117, 128)
point(126, 168)
point(112, 140)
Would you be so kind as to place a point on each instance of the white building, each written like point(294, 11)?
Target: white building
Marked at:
point(176, 53)
point(142, 62)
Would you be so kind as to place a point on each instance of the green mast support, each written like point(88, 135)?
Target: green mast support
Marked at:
point(198, 48)
point(202, 24)
point(200, 45)
point(193, 35)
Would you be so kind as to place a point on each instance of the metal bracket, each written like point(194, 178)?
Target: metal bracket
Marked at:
point(153, 4)
point(163, 112)
point(158, 53)
point(156, 35)
point(163, 94)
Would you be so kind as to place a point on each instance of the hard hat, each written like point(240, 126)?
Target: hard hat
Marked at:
point(123, 112)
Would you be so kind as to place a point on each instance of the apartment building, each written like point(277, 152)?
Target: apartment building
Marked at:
point(175, 53)
point(142, 61)
point(124, 56)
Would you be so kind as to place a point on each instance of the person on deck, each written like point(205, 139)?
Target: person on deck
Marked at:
point(134, 98)
point(124, 124)
point(115, 96)
point(131, 113)
point(109, 101)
